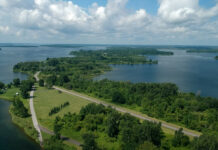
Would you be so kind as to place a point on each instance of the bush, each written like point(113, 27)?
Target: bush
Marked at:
point(41, 82)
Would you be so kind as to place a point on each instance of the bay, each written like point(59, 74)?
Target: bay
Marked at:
point(192, 72)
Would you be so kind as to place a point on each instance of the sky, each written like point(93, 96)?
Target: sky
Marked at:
point(144, 22)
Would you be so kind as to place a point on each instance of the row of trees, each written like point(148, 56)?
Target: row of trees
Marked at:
point(58, 108)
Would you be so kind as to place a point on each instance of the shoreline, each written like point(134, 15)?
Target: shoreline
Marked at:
point(16, 123)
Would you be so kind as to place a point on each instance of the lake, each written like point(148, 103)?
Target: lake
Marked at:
point(196, 73)
point(192, 72)
point(11, 137)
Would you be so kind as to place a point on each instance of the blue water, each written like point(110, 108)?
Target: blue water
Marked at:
point(9, 56)
point(192, 72)
point(12, 138)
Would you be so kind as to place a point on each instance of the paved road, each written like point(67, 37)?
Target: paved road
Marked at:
point(125, 111)
point(34, 118)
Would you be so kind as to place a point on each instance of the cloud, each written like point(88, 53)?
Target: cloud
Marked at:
point(65, 21)
point(4, 29)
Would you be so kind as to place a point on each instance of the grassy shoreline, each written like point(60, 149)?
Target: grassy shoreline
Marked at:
point(24, 124)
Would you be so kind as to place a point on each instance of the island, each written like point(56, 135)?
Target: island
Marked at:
point(109, 114)
point(202, 51)
point(216, 57)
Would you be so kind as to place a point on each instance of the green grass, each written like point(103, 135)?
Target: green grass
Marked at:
point(24, 123)
point(136, 110)
point(10, 93)
point(45, 99)
point(68, 146)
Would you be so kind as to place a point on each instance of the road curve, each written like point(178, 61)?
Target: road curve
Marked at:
point(125, 111)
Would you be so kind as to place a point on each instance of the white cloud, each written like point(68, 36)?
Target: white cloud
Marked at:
point(55, 20)
point(4, 29)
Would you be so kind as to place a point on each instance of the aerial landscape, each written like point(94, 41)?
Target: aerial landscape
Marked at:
point(108, 75)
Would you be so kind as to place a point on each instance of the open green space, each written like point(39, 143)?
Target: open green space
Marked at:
point(46, 99)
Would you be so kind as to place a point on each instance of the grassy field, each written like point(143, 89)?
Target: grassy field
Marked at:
point(10, 93)
point(46, 99)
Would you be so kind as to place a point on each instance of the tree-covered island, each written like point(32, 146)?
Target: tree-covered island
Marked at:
point(159, 100)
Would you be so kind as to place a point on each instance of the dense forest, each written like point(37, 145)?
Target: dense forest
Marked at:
point(159, 100)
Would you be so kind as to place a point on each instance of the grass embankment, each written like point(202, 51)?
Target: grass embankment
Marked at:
point(24, 123)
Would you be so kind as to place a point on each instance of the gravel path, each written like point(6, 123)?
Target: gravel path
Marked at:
point(34, 118)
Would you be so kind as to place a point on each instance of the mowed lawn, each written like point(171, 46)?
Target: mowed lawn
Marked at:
point(46, 99)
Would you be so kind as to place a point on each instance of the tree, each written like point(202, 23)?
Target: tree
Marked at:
point(180, 139)
point(41, 82)
point(118, 98)
point(113, 122)
point(205, 142)
point(2, 85)
point(53, 144)
point(19, 109)
point(149, 131)
point(89, 142)
point(147, 146)
point(25, 87)
point(16, 82)
point(57, 127)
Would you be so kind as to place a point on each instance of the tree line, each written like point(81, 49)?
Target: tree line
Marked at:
point(102, 127)
point(58, 108)
point(159, 100)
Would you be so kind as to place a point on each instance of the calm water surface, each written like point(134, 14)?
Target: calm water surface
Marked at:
point(12, 138)
point(196, 73)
